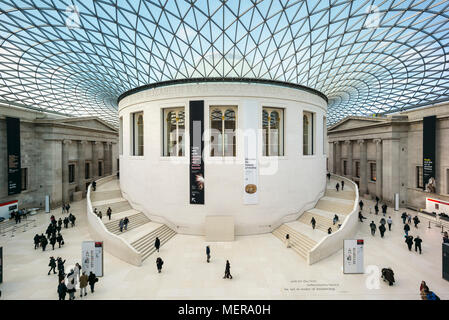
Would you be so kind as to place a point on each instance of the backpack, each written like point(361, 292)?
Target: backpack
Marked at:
point(432, 296)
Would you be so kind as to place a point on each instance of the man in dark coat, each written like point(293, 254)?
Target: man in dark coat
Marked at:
point(416, 221)
point(227, 274)
point(44, 243)
point(92, 279)
point(361, 217)
point(337, 186)
point(159, 264)
point(60, 265)
point(125, 223)
point(361, 205)
point(94, 185)
point(409, 242)
point(373, 228)
point(66, 222)
point(406, 229)
point(328, 176)
point(382, 230)
point(59, 239)
point(52, 265)
point(404, 217)
point(208, 253)
point(377, 201)
point(109, 213)
point(67, 207)
point(418, 242)
point(157, 244)
point(384, 209)
point(342, 185)
point(37, 239)
point(313, 222)
point(62, 290)
point(376, 209)
point(59, 222)
point(53, 241)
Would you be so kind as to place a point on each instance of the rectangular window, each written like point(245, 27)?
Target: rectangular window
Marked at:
point(372, 169)
point(87, 170)
point(137, 129)
point(308, 133)
point(120, 136)
point(357, 169)
point(174, 132)
point(345, 163)
point(223, 126)
point(71, 173)
point(273, 131)
point(419, 177)
point(24, 176)
point(100, 168)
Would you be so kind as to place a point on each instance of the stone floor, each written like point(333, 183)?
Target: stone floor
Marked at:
point(261, 266)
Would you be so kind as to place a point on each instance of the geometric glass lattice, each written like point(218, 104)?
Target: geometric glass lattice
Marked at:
point(368, 57)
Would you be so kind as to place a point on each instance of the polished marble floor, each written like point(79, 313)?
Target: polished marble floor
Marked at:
point(261, 266)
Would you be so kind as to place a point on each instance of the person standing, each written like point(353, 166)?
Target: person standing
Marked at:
point(60, 240)
point(157, 244)
point(77, 271)
point(335, 219)
point(62, 290)
point(329, 231)
point(71, 289)
point(389, 222)
point(406, 229)
point(66, 222)
point(337, 186)
point(409, 242)
point(60, 265)
point(67, 207)
point(377, 201)
point(37, 239)
point(44, 243)
point(342, 185)
point(376, 209)
point(63, 208)
point(384, 209)
point(208, 253)
point(418, 242)
point(287, 240)
point(109, 213)
point(373, 228)
point(83, 284)
point(120, 225)
point(416, 221)
point(382, 230)
point(361, 205)
point(404, 217)
point(52, 265)
point(53, 240)
point(59, 223)
point(227, 274)
point(328, 176)
point(159, 264)
point(94, 185)
point(313, 222)
point(125, 223)
point(92, 279)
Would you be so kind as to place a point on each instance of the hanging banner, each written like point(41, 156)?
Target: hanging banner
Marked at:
point(196, 152)
point(1, 264)
point(429, 144)
point(250, 172)
point(13, 146)
point(353, 256)
point(92, 257)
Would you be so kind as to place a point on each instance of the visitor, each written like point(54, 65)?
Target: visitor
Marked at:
point(430, 295)
point(361, 217)
point(384, 209)
point(62, 290)
point(337, 186)
point(60, 265)
point(71, 289)
point(52, 265)
point(92, 279)
point(409, 242)
point(66, 222)
point(227, 274)
point(287, 240)
point(335, 219)
point(376, 209)
point(120, 225)
point(94, 185)
point(409, 218)
point(406, 229)
point(389, 222)
point(382, 221)
point(361, 205)
point(377, 201)
point(100, 215)
point(418, 242)
point(67, 207)
point(83, 284)
point(329, 231)
point(157, 244)
point(342, 185)
point(37, 239)
point(416, 221)
point(313, 222)
point(382, 230)
point(422, 286)
point(60, 240)
point(44, 243)
point(72, 219)
point(77, 271)
point(404, 217)
point(445, 237)
point(59, 223)
point(63, 208)
point(208, 253)
point(53, 241)
point(373, 228)
point(159, 264)
point(17, 217)
point(125, 223)
point(328, 176)
point(109, 213)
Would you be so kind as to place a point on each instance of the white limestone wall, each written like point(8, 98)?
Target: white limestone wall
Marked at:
point(160, 185)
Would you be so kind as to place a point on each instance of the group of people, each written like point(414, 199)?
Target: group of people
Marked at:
point(73, 277)
point(100, 215)
point(17, 215)
point(123, 223)
point(382, 224)
point(337, 186)
point(65, 208)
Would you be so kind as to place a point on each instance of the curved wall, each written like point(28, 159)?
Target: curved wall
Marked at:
point(161, 185)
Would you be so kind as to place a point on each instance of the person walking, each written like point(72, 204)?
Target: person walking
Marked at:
point(313, 222)
point(329, 231)
point(159, 264)
point(361, 205)
point(409, 218)
point(67, 207)
point(416, 221)
point(83, 284)
point(44, 243)
point(409, 242)
point(109, 213)
point(389, 222)
point(328, 176)
point(120, 225)
point(227, 274)
point(60, 240)
point(335, 219)
point(382, 230)
point(384, 209)
point(382, 221)
point(53, 240)
point(376, 209)
point(373, 228)
point(63, 208)
point(36, 239)
point(52, 265)
point(361, 217)
point(445, 237)
point(337, 186)
point(62, 290)
point(404, 217)
point(66, 222)
point(72, 220)
point(208, 254)
point(77, 271)
point(100, 215)
point(287, 240)
point(71, 289)
point(157, 244)
point(92, 279)
point(94, 185)
point(342, 185)
point(125, 223)
point(418, 242)
point(406, 229)
point(377, 201)
point(60, 265)
point(59, 223)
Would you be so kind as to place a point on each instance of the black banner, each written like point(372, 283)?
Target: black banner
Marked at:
point(13, 145)
point(196, 152)
point(1, 264)
point(429, 134)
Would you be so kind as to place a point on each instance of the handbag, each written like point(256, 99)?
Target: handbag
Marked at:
point(96, 279)
point(62, 242)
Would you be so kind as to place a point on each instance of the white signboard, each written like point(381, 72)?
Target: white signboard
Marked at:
point(92, 257)
point(250, 172)
point(353, 256)
point(436, 205)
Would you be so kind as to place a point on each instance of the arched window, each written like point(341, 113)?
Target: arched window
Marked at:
point(273, 131)
point(308, 133)
point(137, 134)
point(223, 125)
point(174, 130)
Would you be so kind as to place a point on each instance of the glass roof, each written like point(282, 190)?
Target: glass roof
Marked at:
point(367, 56)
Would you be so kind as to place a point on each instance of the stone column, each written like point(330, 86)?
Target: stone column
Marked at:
point(337, 162)
point(65, 170)
point(363, 167)
point(82, 166)
point(95, 159)
point(378, 143)
point(350, 158)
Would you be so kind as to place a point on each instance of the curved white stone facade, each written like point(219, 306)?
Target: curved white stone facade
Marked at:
point(160, 185)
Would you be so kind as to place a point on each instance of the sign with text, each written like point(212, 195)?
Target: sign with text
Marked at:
point(250, 172)
point(429, 135)
point(353, 256)
point(92, 257)
point(13, 146)
point(196, 152)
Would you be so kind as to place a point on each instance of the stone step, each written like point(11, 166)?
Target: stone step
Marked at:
point(332, 206)
point(299, 242)
point(105, 195)
point(145, 245)
point(135, 221)
point(115, 207)
point(322, 223)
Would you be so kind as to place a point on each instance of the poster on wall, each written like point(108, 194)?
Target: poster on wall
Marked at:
point(353, 256)
point(250, 172)
point(429, 136)
point(196, 152)
point(13, 146)
point(92, 257)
